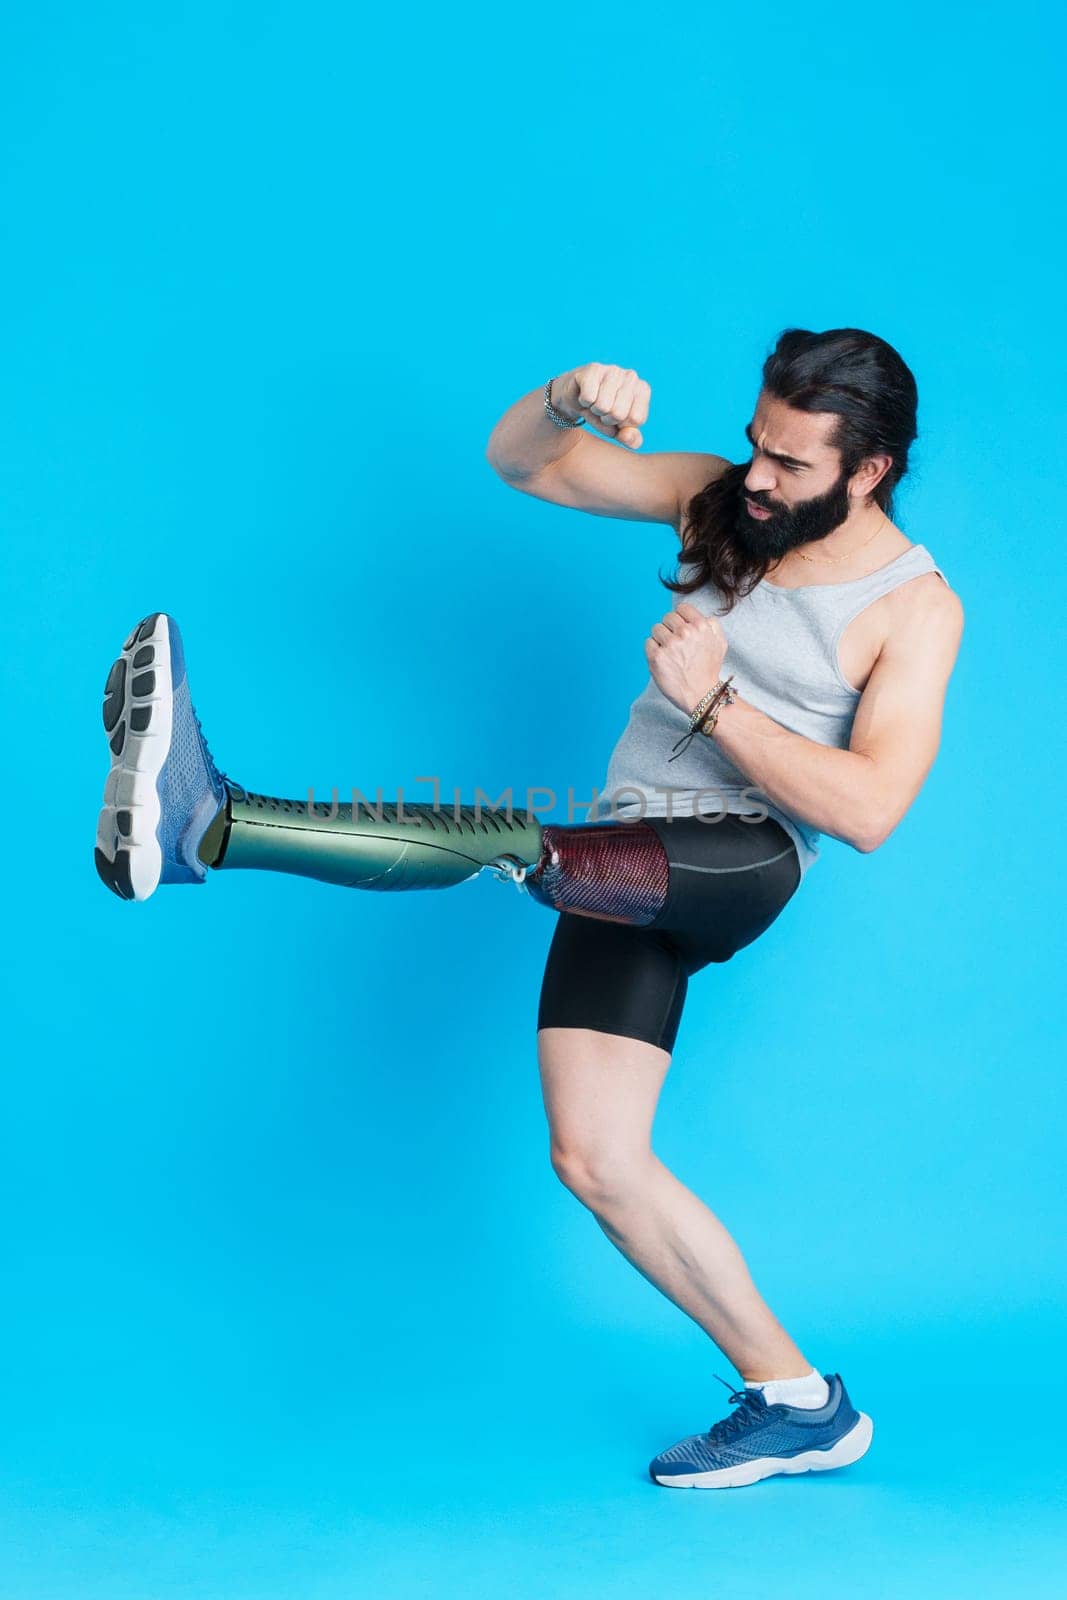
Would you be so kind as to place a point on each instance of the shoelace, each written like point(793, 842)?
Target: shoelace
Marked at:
point(749, 1403)
point(221, 776)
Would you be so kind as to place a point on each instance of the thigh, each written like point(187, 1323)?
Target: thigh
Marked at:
point(600, 1092)
point(730, 879)
point(614, 979)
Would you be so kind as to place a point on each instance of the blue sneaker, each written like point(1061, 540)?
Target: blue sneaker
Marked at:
point(757, 1441)
point(163, 790)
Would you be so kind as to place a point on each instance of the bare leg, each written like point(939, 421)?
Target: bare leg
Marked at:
point(600, 1092)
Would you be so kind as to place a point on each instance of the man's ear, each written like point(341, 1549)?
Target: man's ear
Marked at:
point(869, 474)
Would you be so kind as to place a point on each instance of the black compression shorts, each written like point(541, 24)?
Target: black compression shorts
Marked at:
point(730, 877)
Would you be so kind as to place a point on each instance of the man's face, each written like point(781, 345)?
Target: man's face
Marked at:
point(794, 490)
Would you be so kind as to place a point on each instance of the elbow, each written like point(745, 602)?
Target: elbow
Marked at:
point(872, 833)
point(875, 812)
point(509, 473)
point(492, 451)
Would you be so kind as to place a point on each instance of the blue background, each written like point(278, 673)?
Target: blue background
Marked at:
point(295, 1304)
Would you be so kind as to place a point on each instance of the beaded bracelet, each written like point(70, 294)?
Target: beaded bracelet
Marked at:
point(557, 416)
point(707, 726)
point(699, 711)
point(706, 714)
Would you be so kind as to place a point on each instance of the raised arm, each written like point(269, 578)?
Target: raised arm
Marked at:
point(571, 467)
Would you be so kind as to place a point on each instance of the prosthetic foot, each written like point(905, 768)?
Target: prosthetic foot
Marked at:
point(163, 788)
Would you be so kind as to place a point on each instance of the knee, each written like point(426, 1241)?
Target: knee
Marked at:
point(602, 1177)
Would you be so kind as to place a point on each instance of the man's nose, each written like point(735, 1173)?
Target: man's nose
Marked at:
point(760, 478)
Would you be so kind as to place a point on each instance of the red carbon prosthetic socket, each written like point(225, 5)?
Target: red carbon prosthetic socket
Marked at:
point(614, 871)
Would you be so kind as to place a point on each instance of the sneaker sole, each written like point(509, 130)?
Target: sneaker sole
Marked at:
point(138, 718)
point(849, 1448)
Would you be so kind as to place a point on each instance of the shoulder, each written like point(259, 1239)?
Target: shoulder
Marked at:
point(929, 599)
point(926, 619)
point(696, 473)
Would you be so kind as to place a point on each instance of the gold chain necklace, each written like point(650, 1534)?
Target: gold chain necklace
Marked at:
point(833, 561)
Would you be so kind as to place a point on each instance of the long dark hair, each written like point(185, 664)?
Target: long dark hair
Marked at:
point(873, 394)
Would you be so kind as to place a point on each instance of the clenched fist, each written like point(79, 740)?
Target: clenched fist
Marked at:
point(613, 400)
point(685, 655)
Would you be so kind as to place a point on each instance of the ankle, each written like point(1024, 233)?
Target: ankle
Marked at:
point(807, 1391)
point(212, 846)
point(775, 1371)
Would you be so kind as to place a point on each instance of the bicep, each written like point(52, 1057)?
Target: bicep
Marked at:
point(898, 720)
point(611, 481)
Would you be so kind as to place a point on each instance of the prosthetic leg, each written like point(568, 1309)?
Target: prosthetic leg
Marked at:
point(169, 815)
point(616, 871)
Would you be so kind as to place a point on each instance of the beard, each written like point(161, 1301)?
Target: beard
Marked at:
point(771, 538)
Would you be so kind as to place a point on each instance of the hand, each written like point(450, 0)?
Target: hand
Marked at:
point(685, 655)
point(613, 400)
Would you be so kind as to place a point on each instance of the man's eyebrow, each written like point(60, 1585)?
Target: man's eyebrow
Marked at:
point(789, 461)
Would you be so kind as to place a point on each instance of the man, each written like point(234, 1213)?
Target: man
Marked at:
point(837, 637)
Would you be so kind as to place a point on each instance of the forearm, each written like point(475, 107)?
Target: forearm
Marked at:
point(834, 791)
point(525, 439)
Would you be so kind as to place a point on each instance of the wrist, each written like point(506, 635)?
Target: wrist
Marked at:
point(706, 715)
point(695, 703)
point(562, 396)
point(727, 708)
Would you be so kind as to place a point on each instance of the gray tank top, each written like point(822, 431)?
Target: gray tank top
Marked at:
point(783, 657)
